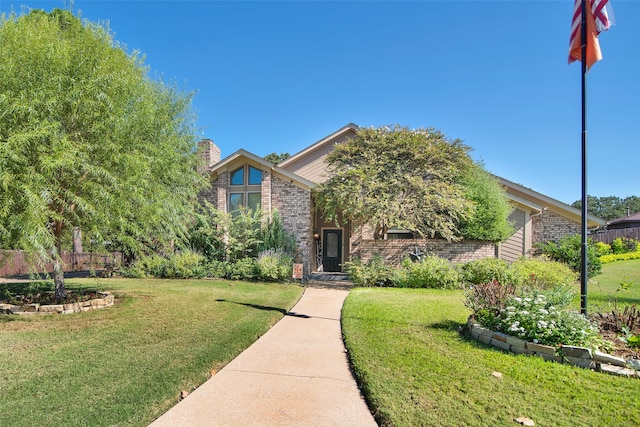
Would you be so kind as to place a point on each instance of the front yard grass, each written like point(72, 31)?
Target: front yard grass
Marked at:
point(603, 288)
point(127, 364)
point(416, 370)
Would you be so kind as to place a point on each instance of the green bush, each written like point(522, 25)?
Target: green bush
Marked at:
point(217, 269)
point(532, 318)
point(486, 270)
point(274, 265)
point(487, 299)
point(619, 257)
point(602, 248)
point(541, 273)
point(243, 269)
point(273, 236)
point(430, 272)
point(184, 265)
point(372, 273)
point(146, 267)
point(569, 251)
point(623, 245)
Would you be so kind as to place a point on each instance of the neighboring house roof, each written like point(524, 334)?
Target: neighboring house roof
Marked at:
point(524, 195)
point(242, 156)
point(629, 221)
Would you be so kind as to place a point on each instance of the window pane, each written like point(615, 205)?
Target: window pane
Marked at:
point(253, 201)
point(235, 201)
point(237, 177)
point(255, 176)
point(332, 245)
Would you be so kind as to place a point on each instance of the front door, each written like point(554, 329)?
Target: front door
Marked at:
point(332, 250)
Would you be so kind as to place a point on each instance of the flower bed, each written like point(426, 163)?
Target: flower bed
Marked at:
point(573, 355)
point(106, 299)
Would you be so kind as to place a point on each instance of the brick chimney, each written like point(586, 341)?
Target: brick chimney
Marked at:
point(209, 154)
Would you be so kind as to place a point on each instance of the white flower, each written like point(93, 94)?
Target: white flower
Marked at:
point(543, 311)
point(518, 299)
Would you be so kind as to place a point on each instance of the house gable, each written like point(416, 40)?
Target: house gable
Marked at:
point(310, 163)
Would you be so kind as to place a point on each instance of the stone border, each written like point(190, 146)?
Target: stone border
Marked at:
point(107, 300)
point(572, 355)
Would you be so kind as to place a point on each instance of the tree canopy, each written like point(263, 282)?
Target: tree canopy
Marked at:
point(418, 180)
point(276, 158)
point(610, 207)
point(88, 139)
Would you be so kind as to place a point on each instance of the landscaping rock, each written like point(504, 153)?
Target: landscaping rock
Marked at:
point(579, 352)
point(541, 349)
point(601, 357)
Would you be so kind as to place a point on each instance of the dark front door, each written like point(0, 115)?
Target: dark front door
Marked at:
point(332, 250)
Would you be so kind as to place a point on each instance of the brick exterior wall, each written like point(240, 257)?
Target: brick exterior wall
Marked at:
point(394, 251)
point(294, 206)
point(549, 226)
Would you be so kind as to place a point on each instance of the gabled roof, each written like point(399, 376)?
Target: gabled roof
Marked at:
point(635, 217)
point(320, 144)
point(517, 191)
point(261, 163)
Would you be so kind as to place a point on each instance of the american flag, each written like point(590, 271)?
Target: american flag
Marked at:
point(599, 18)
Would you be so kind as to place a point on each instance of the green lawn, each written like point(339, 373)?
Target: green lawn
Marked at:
point(127, 364)
point(416, 370)
point(602, 288)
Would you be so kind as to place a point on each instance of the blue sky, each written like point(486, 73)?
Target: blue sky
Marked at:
point(274, 76)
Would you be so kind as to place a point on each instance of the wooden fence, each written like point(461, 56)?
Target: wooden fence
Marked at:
point(16, 263)
point(610, 235)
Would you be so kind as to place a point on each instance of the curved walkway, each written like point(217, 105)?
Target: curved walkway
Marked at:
point(297, 374)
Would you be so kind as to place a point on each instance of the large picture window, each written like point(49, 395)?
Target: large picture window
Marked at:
point(245, 190)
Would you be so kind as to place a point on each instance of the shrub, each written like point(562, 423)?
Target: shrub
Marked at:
point(486, 270)
point(531, 318)
point(568, 250)
point(372, 273)
point(274, 265)
point(430, 272)
point(623, 245)
point(243, 269)
point(185, 265)
point(602, 248)
point(217, 269)
point(145, 267)
point(273, 236)
point(485, 300)
point(619, 257)
point(541, 273)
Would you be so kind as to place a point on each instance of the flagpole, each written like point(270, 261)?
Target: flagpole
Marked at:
point(584, 259)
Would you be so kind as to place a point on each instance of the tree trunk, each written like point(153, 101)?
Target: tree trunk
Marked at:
point(58, 277)
point(58, 271)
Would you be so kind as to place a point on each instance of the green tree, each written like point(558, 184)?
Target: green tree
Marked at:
point(277, 158)
point(610, 207)
point(491, 207)
point(398, 177)
point(88, 139)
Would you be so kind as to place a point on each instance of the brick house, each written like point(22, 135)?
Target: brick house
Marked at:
point(244, 179)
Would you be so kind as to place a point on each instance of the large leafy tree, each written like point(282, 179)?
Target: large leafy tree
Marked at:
point(610, 207)
point(89, 140)
point(491, 207)
point(418, 180)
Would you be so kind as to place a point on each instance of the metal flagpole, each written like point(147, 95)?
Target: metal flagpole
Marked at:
point(584, 259)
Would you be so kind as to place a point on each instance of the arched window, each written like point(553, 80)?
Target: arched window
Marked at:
point(245, 188)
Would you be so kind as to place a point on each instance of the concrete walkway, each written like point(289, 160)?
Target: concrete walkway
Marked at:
point(297, 374)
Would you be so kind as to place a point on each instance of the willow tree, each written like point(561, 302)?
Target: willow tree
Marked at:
point(411, 179)
point(88, 139)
